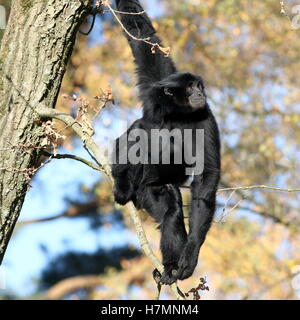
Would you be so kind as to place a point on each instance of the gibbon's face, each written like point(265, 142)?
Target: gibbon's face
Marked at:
point(184, 90)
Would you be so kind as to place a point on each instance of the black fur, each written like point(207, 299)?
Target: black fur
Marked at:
point(168, 104)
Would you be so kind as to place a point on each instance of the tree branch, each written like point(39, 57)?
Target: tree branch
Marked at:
point(38, 220)
point(71, 156)
point(74, 210)
point(69, 285)
point(253, 187)
point(260, 187)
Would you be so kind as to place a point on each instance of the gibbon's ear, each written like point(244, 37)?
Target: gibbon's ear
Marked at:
point(168, 91)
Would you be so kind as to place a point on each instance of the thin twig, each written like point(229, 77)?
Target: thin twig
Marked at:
point(261, 187)
point(129, 13)
point(253, 187)
point(222, 216)
point(231, 209)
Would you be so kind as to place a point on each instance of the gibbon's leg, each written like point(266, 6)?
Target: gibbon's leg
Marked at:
point(164, 204)
point(203, 202)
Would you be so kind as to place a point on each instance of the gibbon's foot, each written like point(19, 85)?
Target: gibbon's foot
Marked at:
point(156, 276)
point(169, 278)
point(121, 199)
point(169, 275)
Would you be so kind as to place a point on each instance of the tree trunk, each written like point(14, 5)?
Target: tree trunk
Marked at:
point(34, 52)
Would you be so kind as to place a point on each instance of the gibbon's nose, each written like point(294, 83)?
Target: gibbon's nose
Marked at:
point(199, 92)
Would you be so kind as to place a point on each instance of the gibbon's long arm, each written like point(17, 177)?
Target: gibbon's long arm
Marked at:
point(151, 67)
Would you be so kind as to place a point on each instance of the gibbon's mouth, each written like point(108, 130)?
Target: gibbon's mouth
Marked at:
point(197, 102)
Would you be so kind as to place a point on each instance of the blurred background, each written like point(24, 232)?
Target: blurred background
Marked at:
point(72, 243)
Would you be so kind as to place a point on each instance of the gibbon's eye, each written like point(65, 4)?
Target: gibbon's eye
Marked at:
point(200, 85)
point(168, 92)
point(190, 85)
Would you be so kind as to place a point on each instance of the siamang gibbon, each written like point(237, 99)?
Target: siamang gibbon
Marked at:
point(171, 100)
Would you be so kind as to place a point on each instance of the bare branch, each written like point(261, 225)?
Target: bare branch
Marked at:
point(74, 210)
point(73, 157)
point(253, 187)
point(261, 187)
point(72, 284)
point(38, 220)
point(129, 13)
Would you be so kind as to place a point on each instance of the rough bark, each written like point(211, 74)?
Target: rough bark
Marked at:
point(34, 52)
